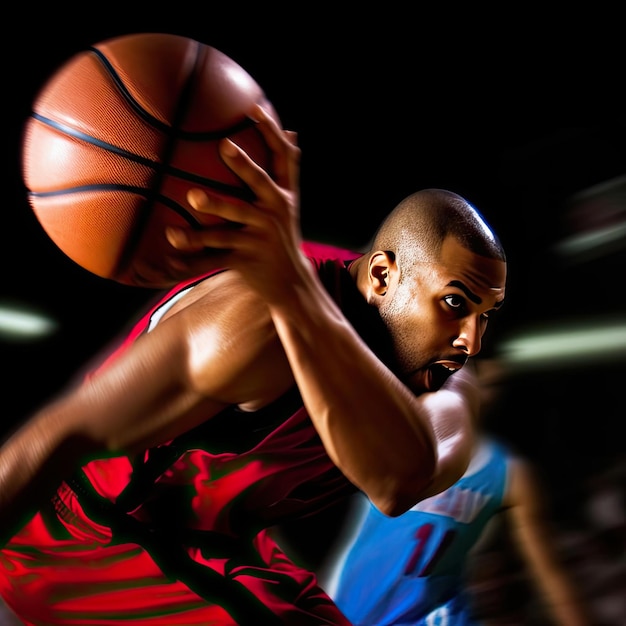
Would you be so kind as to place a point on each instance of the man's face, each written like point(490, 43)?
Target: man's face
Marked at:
point(437, 313)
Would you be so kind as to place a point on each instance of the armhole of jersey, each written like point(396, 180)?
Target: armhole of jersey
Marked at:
point(161, 309)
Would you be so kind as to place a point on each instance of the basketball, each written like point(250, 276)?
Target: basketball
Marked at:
point(118, 135)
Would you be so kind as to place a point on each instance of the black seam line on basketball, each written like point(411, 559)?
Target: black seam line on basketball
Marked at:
point(186, 135)
point(156, 123)
point(238, 192)
point(109, 147)
point(140, 191)
point(168, 148)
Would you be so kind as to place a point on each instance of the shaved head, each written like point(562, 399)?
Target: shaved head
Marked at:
point(416, 228)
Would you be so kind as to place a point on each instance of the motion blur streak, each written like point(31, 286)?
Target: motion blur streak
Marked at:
point(598, 340)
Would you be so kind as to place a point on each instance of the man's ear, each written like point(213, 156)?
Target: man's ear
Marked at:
point(381, 270)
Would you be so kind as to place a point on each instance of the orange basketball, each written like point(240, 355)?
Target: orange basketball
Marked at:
point(118, 135)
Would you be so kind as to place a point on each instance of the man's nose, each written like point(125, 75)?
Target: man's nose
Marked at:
point(469, 336)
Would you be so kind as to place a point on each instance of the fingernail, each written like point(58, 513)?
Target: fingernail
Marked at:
point(175, 235)
point(257, 113)
point(228, 148)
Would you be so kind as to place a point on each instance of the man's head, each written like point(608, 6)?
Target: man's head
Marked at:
point(435, 271)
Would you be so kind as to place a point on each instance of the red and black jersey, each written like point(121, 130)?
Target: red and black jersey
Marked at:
point(178, 534)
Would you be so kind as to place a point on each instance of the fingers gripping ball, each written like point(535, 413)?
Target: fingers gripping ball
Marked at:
point(120, 133)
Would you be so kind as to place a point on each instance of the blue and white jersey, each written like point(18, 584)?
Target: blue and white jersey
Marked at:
point(409, 569)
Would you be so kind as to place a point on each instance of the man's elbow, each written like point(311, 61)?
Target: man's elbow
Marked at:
point(401, 494)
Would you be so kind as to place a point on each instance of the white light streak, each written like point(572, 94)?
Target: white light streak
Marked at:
point(603, 341)
point(20, 322)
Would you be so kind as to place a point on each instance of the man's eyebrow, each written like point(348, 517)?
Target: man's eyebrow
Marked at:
point(470, 294)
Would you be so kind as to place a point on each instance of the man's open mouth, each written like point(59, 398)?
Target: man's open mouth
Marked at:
point(439, 373)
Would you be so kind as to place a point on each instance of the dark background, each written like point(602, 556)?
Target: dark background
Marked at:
point(520, 113)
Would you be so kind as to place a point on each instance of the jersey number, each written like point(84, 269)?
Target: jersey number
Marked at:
point(422, 535)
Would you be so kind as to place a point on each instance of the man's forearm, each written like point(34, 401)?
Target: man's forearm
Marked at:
point(33, 460)
point(371, 424)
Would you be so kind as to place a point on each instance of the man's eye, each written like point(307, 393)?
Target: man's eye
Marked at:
point(454, 301)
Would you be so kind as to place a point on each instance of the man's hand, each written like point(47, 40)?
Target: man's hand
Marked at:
point(260, 239)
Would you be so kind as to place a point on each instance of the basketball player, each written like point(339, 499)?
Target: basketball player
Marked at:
point(413, 569)
point(249, 396)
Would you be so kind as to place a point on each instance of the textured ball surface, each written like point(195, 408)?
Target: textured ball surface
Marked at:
point(118, 135)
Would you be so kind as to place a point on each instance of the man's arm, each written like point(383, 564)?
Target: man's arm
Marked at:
point(190, 367)
point(535, 541)
point(396, 447)
point(386, 440)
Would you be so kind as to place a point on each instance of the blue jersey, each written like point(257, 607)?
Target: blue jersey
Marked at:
point(410, 569)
